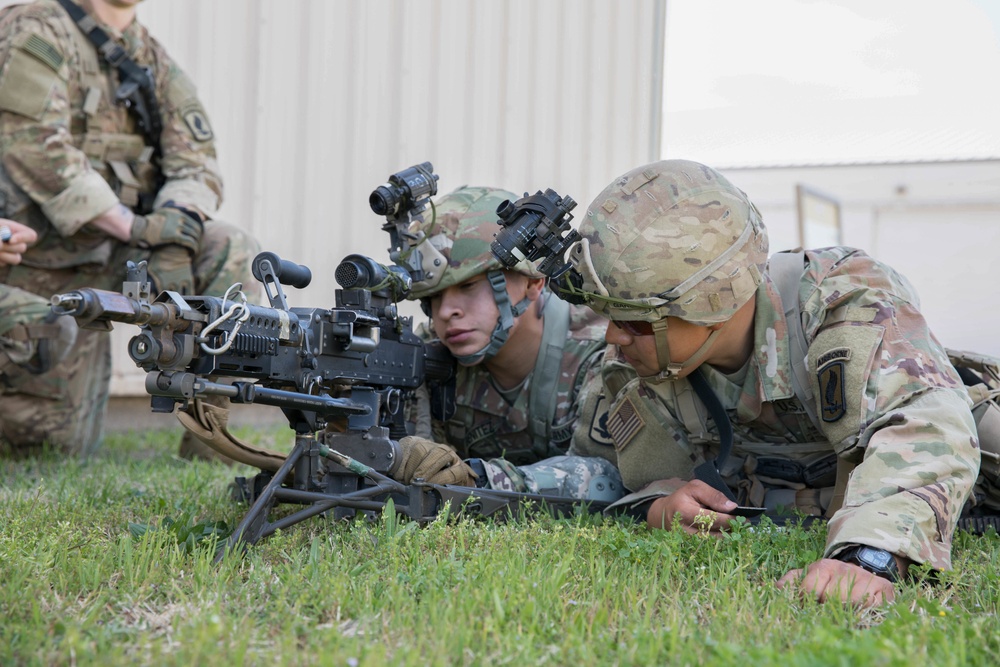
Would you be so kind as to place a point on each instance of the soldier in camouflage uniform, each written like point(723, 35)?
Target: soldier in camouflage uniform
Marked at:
point(75, 168)
point(527, 360)
point(31, 339)
point(875, 432)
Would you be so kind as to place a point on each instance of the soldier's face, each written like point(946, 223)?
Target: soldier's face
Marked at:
point(683, 338)
point(465, 315)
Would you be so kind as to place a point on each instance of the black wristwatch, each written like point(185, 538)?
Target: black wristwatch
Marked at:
point(877, 561)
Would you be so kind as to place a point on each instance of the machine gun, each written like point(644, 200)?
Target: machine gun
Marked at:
point(359, 360)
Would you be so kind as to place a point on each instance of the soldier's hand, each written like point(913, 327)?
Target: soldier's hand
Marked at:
point(830, 579)
point(435, 463)
point(14, 241)
point(167, 226)
point(700, 508)
point(169, 268)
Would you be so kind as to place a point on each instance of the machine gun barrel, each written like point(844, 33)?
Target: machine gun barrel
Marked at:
point(96, 309)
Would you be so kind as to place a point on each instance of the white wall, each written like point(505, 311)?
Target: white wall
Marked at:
point(938, 223)
point(316, 102)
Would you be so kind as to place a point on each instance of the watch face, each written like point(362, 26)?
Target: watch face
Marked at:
point(876, 558)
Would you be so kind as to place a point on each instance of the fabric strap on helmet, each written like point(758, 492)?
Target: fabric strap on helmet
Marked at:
point(672, 370)
point(504, 322)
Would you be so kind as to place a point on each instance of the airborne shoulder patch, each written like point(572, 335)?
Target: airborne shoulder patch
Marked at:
point(197, 122)
point(841, 359)
point(832, 398)
point(830, 372)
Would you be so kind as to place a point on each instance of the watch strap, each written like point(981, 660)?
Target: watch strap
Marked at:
point(879, 562)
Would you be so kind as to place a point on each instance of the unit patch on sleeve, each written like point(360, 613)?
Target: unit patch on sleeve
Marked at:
point(841, 359)
point(832, 400)
point(599, 423)
point(830, 374)
point(197, 122)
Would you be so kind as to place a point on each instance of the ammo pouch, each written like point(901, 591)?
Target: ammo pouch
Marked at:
point(125, 162)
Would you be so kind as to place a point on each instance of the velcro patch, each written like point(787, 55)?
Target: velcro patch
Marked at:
point(32, 68)
point(599, 423)
point(197, 122)
point(624, 423)
point(485, 431)
point(45, 52)
point(841, 359)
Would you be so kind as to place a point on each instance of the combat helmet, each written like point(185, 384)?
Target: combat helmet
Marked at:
point(670, 239)
point(454, 243)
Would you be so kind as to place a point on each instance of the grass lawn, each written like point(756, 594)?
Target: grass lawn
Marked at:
point(99, 564)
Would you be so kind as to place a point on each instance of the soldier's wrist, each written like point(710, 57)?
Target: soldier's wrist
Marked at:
point(118, 222)
point(879, 562)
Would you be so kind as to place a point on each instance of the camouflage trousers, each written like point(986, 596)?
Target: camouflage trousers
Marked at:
point(576, 477)
point(65, 406)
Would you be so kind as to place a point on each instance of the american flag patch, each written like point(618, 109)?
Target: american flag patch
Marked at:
point(624, 423)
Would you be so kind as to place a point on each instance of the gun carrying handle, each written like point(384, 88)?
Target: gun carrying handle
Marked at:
point(289, 273)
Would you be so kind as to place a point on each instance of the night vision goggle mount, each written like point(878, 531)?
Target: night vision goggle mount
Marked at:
point(537, 226)
point(402, 200)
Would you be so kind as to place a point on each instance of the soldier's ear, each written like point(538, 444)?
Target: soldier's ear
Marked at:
point(535, 287)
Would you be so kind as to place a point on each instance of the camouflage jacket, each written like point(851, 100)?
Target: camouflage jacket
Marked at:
point(486, 425)
point(889, 402)
point(21, 314)
point(68, 153)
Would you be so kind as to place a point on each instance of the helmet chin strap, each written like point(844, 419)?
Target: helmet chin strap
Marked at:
point(672, 370)
point(504, 322)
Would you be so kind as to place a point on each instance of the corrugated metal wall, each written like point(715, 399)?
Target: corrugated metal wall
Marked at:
point(316, 102)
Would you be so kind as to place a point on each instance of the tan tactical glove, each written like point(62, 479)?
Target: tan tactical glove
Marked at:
point(167, 226)
point(420, 458)
point(169, 268)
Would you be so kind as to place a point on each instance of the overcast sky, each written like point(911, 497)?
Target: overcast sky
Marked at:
point(805, 81)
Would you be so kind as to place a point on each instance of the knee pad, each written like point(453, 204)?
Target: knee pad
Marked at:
point(37, 348)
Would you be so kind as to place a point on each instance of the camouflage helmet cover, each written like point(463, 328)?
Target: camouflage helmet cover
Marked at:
point(671, 239)
point(457, 233)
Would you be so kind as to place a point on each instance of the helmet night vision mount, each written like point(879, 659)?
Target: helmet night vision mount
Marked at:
point(533, 228)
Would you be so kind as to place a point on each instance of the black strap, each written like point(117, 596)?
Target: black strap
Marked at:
point(136, 91)
point(978, 525)
point(482, 479)
point(708, 471)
